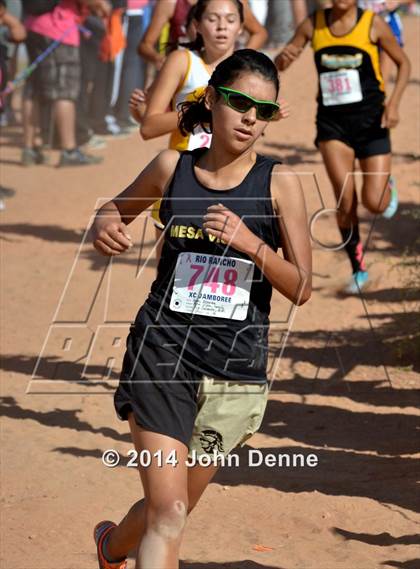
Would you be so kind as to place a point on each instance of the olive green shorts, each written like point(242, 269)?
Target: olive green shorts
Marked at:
point(228, 414)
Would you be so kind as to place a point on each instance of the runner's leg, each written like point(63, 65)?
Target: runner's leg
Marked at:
point(339, 163)
point(375, 191)
point(131, 529)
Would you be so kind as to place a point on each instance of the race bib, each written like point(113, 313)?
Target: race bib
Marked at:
point(212, 285)
point(199, 140)
point(341, 87)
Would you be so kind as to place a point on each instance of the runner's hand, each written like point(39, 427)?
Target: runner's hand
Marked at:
point(137, 104)
point(284, 111)
point(288, 55)
point(109, 234)
point(227, 226)
point(390, 117)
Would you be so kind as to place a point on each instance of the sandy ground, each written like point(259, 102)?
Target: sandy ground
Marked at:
point(344, 388)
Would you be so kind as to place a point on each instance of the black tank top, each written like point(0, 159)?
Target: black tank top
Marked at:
point(233, 344)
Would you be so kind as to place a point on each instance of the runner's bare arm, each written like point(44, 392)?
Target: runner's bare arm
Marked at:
point(162, 13)
point(291, 276)
point(157, 120)
point(300, 11)
point(382, 34)
point(109, 230)
point(257, 33)
point(295, 46)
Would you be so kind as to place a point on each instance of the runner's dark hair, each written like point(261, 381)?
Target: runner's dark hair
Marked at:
point(195, 113)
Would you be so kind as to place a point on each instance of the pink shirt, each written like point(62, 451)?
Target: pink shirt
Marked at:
point(54, 24)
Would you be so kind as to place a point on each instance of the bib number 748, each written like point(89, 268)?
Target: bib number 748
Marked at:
point(212, 285)
point(211, 279)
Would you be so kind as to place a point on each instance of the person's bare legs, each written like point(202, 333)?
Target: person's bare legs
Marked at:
point(64, 112)
point(133, 528)
point(376, 171)
point(30, 122)
point(339, 163)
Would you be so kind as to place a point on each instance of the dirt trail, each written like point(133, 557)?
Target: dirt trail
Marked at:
point(346, 388)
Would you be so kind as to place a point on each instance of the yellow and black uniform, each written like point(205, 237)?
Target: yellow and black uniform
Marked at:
point(351, 88)
point(207, 314)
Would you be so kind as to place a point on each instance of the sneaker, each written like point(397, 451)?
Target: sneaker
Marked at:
point(95, 142)
point(114, 128)
point(77, 158)
point(393, 202)
point(32, 156)
point(5, 193)
point(99, 534)
point(129, 125)
point(113, 131)
point(357, 282)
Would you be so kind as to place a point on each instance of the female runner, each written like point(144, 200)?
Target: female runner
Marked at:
point(184, 76)
point(174, 13)
point(194, 374)
point(352, 119)
point(187, 71)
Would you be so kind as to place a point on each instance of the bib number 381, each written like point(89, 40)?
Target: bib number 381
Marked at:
point(212, 285)
point(341, 87)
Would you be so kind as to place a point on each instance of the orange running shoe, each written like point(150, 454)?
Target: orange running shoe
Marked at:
point(99, 534)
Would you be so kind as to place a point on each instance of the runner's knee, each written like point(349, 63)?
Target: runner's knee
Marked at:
point(167, 519)
point(375, 201)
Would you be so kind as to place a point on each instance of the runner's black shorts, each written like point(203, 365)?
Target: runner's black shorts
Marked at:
point(168, 397)
point(361, 131)
point(57, 77)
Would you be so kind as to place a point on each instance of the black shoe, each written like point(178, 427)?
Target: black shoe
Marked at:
point(77, 158)
point(32, 156)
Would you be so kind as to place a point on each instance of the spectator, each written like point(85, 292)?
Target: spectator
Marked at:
point(98, 54)
point(12, 33)
point(56, 81)
point(15, 33)
point(130, 68)
point(279, 23)
point(259, 9)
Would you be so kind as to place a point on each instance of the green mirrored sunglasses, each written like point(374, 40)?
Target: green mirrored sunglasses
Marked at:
point(266, 110)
